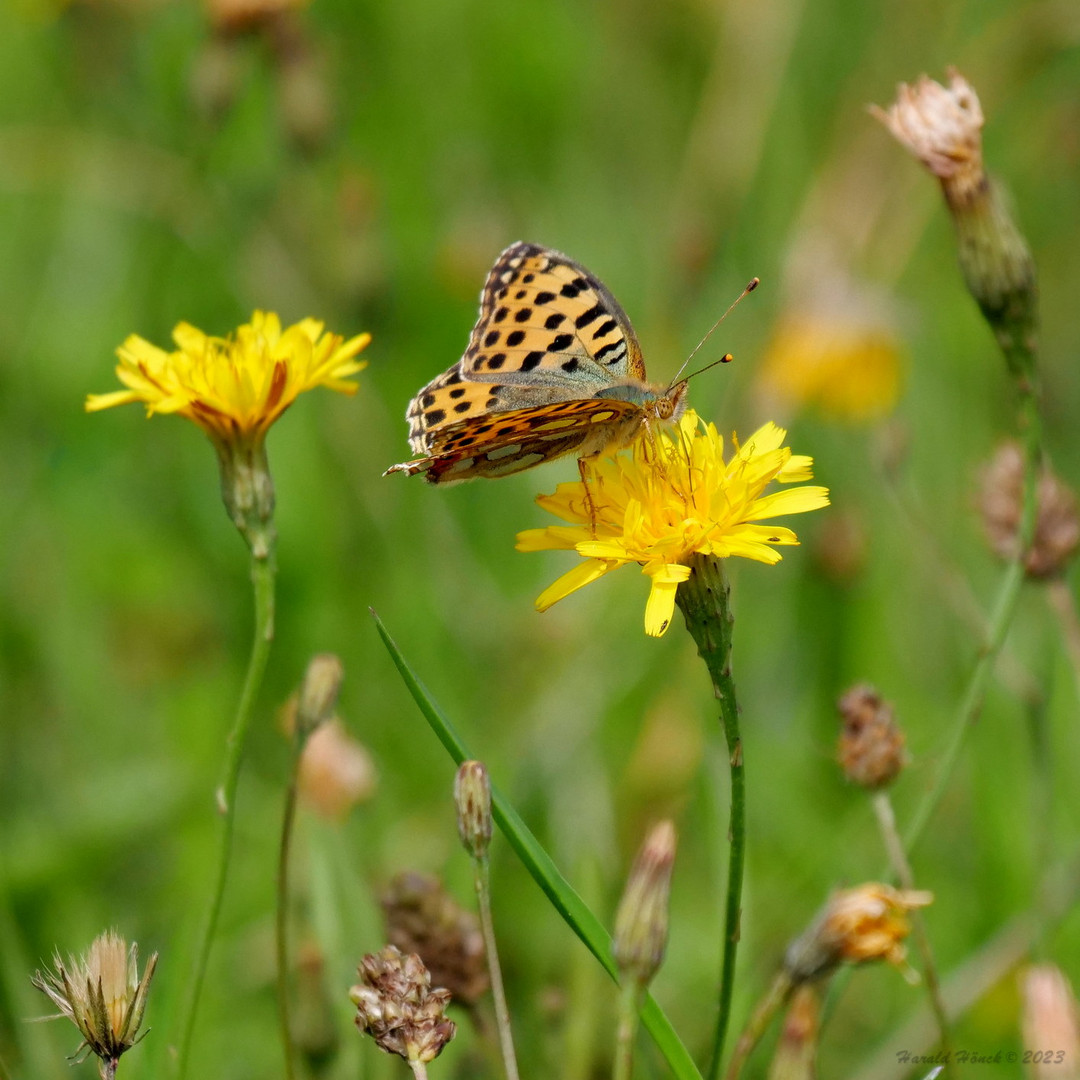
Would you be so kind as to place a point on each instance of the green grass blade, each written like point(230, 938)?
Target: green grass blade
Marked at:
point(545, 873)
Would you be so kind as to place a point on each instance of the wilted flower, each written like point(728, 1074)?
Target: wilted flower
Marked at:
point(669, 498)
point(102, 995)
point(871, 750)
point(423, 918)
point(855, 926)
point(641, 923)
point(336, 771)
point(1057, 524)
point(942, 127)
point(396, 1006)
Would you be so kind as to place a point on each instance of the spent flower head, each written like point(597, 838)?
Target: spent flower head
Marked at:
point(396, 1006)
point(871, 750)
point(472, 797)
point(671, 497)
point(423, 918)
point(102, 995)
point(1057, 519)
point(855, 926)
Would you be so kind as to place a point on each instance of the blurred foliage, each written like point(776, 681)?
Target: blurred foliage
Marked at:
point(364, 163)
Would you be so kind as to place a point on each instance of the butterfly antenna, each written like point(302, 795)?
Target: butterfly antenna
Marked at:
point(727, 357)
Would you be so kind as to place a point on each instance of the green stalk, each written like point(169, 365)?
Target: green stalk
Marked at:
point(1004, 609)
point(281, 920)
point(262, 575)
point(629, 1013)
point(482, 880)
point(703, 600)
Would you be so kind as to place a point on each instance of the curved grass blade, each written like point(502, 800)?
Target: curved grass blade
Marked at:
point(545, 873)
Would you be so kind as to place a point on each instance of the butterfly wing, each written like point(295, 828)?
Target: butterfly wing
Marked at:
point(509, 442)
point(546, 320)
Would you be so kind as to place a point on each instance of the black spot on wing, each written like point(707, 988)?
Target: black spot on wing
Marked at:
point(491, 338)
point(457, 392)
point(544, 297)
point(560, 342)
point(589, 316)
point(435, 416)
point(515, 337)
point(604, 329)
point(497, 361)
point(570, 365)
point(553, 322)
point(532, 360)
point(523, 314)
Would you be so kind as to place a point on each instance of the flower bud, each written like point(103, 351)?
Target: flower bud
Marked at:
point(1051, 1023)
point(472, 794)
point(641, 923)
point(318, 692)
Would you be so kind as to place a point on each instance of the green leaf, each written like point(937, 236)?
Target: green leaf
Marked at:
point(545, 873)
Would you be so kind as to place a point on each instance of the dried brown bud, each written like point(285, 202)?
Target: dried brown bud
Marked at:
point(422, 918)
point(1057, 526)
point(855, 926)
point(396, 1006)
point(472, 795)
point(229, 17)
point(1051, 1023)
point(641, 923)
point(102, 995)
point(871, 750)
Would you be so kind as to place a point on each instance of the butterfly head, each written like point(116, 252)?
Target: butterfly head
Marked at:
point(670, 404)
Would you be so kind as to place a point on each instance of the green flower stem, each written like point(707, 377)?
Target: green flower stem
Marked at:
point(498, 993)
point(1001, 619)
point(703, 600)
point(626, 1032)
point(281, 920)
point(777, 996)
point(262, 575)
point(883, 808)
point(419, 1069)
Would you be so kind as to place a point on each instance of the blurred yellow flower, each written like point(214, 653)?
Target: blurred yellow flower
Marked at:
point(234, 388)
point(847, 368)
point(673, 496)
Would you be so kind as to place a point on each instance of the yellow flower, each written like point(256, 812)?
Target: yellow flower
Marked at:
point(234, 388)
point(847, 368)
point(673, 496)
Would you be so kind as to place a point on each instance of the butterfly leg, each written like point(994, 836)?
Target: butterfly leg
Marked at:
point(588, 493)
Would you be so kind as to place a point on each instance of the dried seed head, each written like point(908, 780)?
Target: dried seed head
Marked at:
point(641, 923)
point(1057, 525)
point(102, 995)
point(855, 926)
point(1051, 1022)
point(318, 692)
point(472, 794)
point(871, 750)
point(396, 1006)
point(942, 127)
point(422, 918)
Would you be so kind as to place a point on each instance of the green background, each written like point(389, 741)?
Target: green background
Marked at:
point(150, 174)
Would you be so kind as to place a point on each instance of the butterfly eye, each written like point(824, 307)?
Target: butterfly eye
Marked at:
point(664, 408)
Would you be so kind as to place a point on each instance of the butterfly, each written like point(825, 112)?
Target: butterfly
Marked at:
point(553, 367)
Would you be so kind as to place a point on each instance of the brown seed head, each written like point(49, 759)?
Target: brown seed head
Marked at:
point(855, 926)
point(472, 795)
point(1057, 525)
point(871, 750)
point(396, 1006)
point(102, 995)
point(942, 127)
point(641, 923)
point(422, 918)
